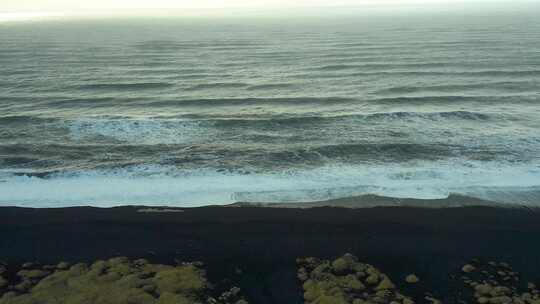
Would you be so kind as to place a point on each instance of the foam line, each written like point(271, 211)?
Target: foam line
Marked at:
point(161, 185)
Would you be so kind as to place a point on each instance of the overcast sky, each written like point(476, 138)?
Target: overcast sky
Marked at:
point(16, 10)
point(62, 5)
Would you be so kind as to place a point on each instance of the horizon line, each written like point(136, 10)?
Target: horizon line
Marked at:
point(457, 5)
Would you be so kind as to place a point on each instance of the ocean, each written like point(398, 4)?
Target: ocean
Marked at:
point(197, 111)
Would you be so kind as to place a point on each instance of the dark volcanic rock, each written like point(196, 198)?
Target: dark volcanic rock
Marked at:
point(345, 280)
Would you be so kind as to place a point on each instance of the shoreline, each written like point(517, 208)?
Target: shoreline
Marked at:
point(350, 202)
point(373, 201)
point(265, 242)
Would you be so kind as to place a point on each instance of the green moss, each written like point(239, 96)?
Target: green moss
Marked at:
point(385, 284)
point(351, 282)
point(62, 266)
point(340, 265)
point(322, 268)
point(345, 280)
point(32, 274)
point(331, 300)
point(117, 281)
point(3, 282)
point(311, 295)
point(99, 267)
point(185, 279)
point(79, 268)
point(308, 284)
point(372, 279)
point(171, 298)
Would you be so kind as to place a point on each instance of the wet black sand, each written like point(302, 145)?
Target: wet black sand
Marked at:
point(255, 248)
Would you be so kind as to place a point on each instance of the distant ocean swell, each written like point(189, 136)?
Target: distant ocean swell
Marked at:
point(136, 103)
point(450, 115)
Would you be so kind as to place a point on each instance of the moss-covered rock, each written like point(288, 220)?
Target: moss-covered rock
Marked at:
point(372, 279)
point(351, 282)
point(331, 300)
point(231, 296)
point(468, 268)
point(28, 265)
point(385, 284)
point(302, 274)
point(185, 279)
point(340, 265)
point(498, 283)
point(345, 280)
point(32, 274)
point(412, 279)
point(407, 301)
point(3, 282)
point(62, 265)
point(116, 281)
point(8, 295)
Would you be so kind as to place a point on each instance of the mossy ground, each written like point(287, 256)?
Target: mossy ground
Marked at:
point(346, 281)
point(497, 283)
point(115, 281)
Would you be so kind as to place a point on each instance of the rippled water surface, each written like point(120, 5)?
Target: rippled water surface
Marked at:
point(189, 112)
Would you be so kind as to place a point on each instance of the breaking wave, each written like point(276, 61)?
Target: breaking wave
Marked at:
point(163, 185)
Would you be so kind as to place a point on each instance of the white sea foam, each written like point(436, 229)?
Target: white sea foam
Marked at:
point(160, 185)
point(139, 131)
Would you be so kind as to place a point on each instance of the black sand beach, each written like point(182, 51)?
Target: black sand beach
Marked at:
point(255, 248)
point(117, 125)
